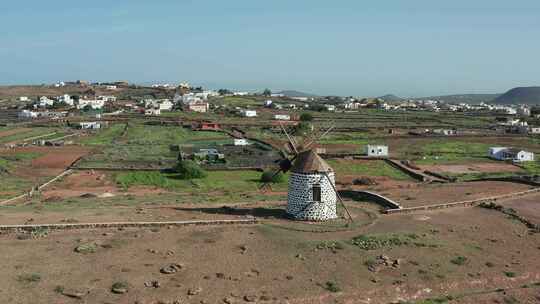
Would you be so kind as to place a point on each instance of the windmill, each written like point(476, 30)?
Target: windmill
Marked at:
point(312, 193)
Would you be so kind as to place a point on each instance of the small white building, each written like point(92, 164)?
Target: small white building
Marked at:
point(534, 130)
point(330, 107)
point(95, 104)
point(154, 112)
point(268, 103)
point(376, 150)
point(23, 98)
point(94, 125)
point(249, 113)
point(282, 117)
point(240, 142)
point(45, 101)
point(165, 105)
point(66, 98)
point(515, 155)
point(25, 114)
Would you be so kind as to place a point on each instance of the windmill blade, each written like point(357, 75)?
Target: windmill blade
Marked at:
point(291, 141)
point(319, 138)
point(339, 197)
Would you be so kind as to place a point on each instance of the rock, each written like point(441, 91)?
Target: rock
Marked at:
point(194, 291)
point(250, 298)
point(220, 275)
point(243, 248)
point(86, 248)
point(153, 283)
point(228, 300)
point(289, 277)
point(72, 293)
point(88, 195)
point(171, 268)
point(119, 288)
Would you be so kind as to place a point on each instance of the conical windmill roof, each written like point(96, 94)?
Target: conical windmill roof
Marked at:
point(310, 162)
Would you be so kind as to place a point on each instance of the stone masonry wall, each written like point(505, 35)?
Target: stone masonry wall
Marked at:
point(300, 202)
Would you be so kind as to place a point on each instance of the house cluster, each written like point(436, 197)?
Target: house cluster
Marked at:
point(510, 154)
point(28, 114)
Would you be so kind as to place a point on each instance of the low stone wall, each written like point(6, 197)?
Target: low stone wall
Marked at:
point(468, 203)
point(371, 196)
point(16, 228)
point(407, 170)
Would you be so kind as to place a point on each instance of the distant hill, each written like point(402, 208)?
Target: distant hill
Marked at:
point(521, 95)
point(391, 98)
point(293, 93)
point(466, 98)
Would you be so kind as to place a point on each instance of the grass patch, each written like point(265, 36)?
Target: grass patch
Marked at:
point(370, 168)
point(29, 278)
point(378, 241)
point(104, 136)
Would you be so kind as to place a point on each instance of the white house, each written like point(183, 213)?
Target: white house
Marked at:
point(95, 104)
point(240, 142)
point(165, 105)
point(249, 113)
point(282, 117)
point(268, 103)
point(376, 150)
point(107, 98)
point(25, 114)
point(152, 112)
point(44, 101)
point(23, 98)
point(66, 98)
point(515, 155)
point(534, 130)
point(90, 125)
point(330, 108)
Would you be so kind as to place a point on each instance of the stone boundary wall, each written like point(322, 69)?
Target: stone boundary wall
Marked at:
point(27, 194)
point(407, 170)
point(384, 201)
point(468, 203)
point(16, 228)
point(511, 179)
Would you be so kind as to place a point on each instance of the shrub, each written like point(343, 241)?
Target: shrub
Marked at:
point(332, 286)
point(272, 177)
point(489, 264)
point(188, 169)
point(510, 274)
point(306, 117)
point(29, 278)
point(460, 260)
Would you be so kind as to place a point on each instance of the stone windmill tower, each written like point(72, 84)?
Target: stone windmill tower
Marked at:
point(312, 194)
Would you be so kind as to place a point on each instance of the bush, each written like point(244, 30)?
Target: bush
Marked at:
point(29, 278)
point(460, 260)
point(272, 177)
point(332, 286)
point(306, 117)
point(188, 169)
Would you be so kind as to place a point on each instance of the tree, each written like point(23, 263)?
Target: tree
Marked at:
point(188, 169)
point(303, 128)
point(267, 92)
point(272, 177)
point(306, 117)
point(224, 92)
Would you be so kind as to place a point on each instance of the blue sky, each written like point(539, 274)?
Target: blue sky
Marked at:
point(365, 48)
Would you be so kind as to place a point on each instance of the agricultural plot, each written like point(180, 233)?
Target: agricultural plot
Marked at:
point(19, 135)
point(11, 183)
point(149, 146)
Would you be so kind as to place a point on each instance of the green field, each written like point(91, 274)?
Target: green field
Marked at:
point(367, 168)
point(26, 134)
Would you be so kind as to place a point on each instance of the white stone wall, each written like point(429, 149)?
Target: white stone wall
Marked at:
point(300, 202)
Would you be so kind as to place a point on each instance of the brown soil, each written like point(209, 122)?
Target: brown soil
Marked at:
point(273, 264)
point(473, 168)
point(13, 132)
point(430, 194)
